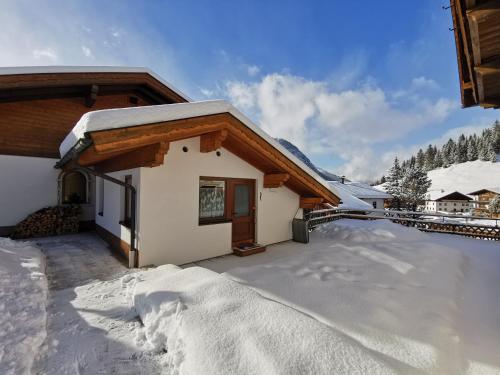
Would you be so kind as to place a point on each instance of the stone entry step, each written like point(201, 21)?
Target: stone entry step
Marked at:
point(245, 249)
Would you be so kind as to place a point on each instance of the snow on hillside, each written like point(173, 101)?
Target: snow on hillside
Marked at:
point(466, 177)
point(23, 299)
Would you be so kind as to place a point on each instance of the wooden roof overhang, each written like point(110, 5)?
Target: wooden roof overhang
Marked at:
point(477, 37)
point(32, 86)
point(145, 146)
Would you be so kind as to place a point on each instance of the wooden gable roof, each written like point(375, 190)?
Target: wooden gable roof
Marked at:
point(477, 37)
point(40, 105)
point(127, 143)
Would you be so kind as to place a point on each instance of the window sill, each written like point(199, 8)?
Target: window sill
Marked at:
point(210, 222)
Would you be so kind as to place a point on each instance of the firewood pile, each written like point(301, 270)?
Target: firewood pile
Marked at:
point(49, 221)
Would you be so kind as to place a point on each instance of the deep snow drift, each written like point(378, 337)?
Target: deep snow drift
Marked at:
point(209, 324)
point(23, 297)
point(428, 301)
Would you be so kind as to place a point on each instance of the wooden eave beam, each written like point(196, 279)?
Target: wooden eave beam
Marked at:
point(212, 141)
point(275, 180)
point(108, 141)
point(463, 32)
point(310, 202)
point(146, 156)
point(91, 96)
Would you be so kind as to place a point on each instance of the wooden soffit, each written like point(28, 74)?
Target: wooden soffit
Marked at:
point(477, 36)
point(32, 86)
point(116, 148)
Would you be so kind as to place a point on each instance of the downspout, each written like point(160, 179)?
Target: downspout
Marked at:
point(72, 154)
point(132, 257)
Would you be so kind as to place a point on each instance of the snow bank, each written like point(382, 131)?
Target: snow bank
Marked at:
point(209, 324)
point(368, 231)
point(390, 288)
point(23, 297)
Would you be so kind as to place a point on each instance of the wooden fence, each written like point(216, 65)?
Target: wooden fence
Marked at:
point(422, 221)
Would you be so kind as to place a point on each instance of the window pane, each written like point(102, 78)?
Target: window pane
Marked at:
point(74, 188)
point(241, 200)
point(212, 196)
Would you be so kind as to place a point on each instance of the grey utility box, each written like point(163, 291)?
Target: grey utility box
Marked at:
point(300, 230)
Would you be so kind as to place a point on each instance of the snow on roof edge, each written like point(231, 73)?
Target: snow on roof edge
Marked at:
point(46, 69)
point(120, 117)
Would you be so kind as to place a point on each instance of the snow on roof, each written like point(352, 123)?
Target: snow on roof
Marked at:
point(493, 189)
point(360, 190)
point(88, 69)
point(434, 195)
point(349, 200)
point(135, 116)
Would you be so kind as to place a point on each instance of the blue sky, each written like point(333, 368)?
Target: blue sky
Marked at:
point(351, 83)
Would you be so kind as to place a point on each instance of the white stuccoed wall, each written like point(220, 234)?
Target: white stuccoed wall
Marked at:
point(114, 197)
point(168, 215)
point(26, 185)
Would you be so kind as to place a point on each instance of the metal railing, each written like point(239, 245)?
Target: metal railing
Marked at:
point(424, 221)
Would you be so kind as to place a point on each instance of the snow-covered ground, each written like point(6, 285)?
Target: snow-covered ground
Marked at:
point(23, 297)
point(362, 297)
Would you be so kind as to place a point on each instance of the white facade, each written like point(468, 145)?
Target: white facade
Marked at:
point(31, 183)
point(168, 229)
point(448, 206)
point(27, 184)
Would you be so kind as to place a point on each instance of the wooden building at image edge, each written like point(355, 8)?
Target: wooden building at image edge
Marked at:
point(476, 25)
point(162, 178)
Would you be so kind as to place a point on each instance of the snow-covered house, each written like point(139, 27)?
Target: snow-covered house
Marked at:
point(482, 198)
point(177, 181)
point(372, 196)
point(447, 201)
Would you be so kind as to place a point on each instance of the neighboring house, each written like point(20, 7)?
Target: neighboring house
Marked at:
point(204, 177)
point(482, 198)
point(448, 202)
point(375, 198)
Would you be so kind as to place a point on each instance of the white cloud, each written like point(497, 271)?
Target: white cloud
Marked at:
point(346, 123)
point(87, 52)
point(206, 92)
point(253, 70)
point(47, 54)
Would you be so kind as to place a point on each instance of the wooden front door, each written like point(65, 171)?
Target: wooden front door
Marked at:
point(242, 210)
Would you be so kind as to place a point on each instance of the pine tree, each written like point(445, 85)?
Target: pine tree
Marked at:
point(414, 186)
point(460, 152)
point(430, 155)
point(420, 159)
point(448, 153)
point(494, 206)
point(496, 136)
point(472, 153)
point(438, 160)
point(393, 185)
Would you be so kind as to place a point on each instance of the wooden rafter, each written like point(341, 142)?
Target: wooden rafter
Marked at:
point(310, 202)
point(146, 156)
point(275, 180)
point(91, 96)
point(212, 141)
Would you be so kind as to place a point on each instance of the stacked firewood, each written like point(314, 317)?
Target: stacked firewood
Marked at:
point(49, 221)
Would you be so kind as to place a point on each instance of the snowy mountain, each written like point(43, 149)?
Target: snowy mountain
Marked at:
point(299, 154)
point(465, 177)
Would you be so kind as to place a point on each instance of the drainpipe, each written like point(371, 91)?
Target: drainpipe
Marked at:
point(133, 193)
